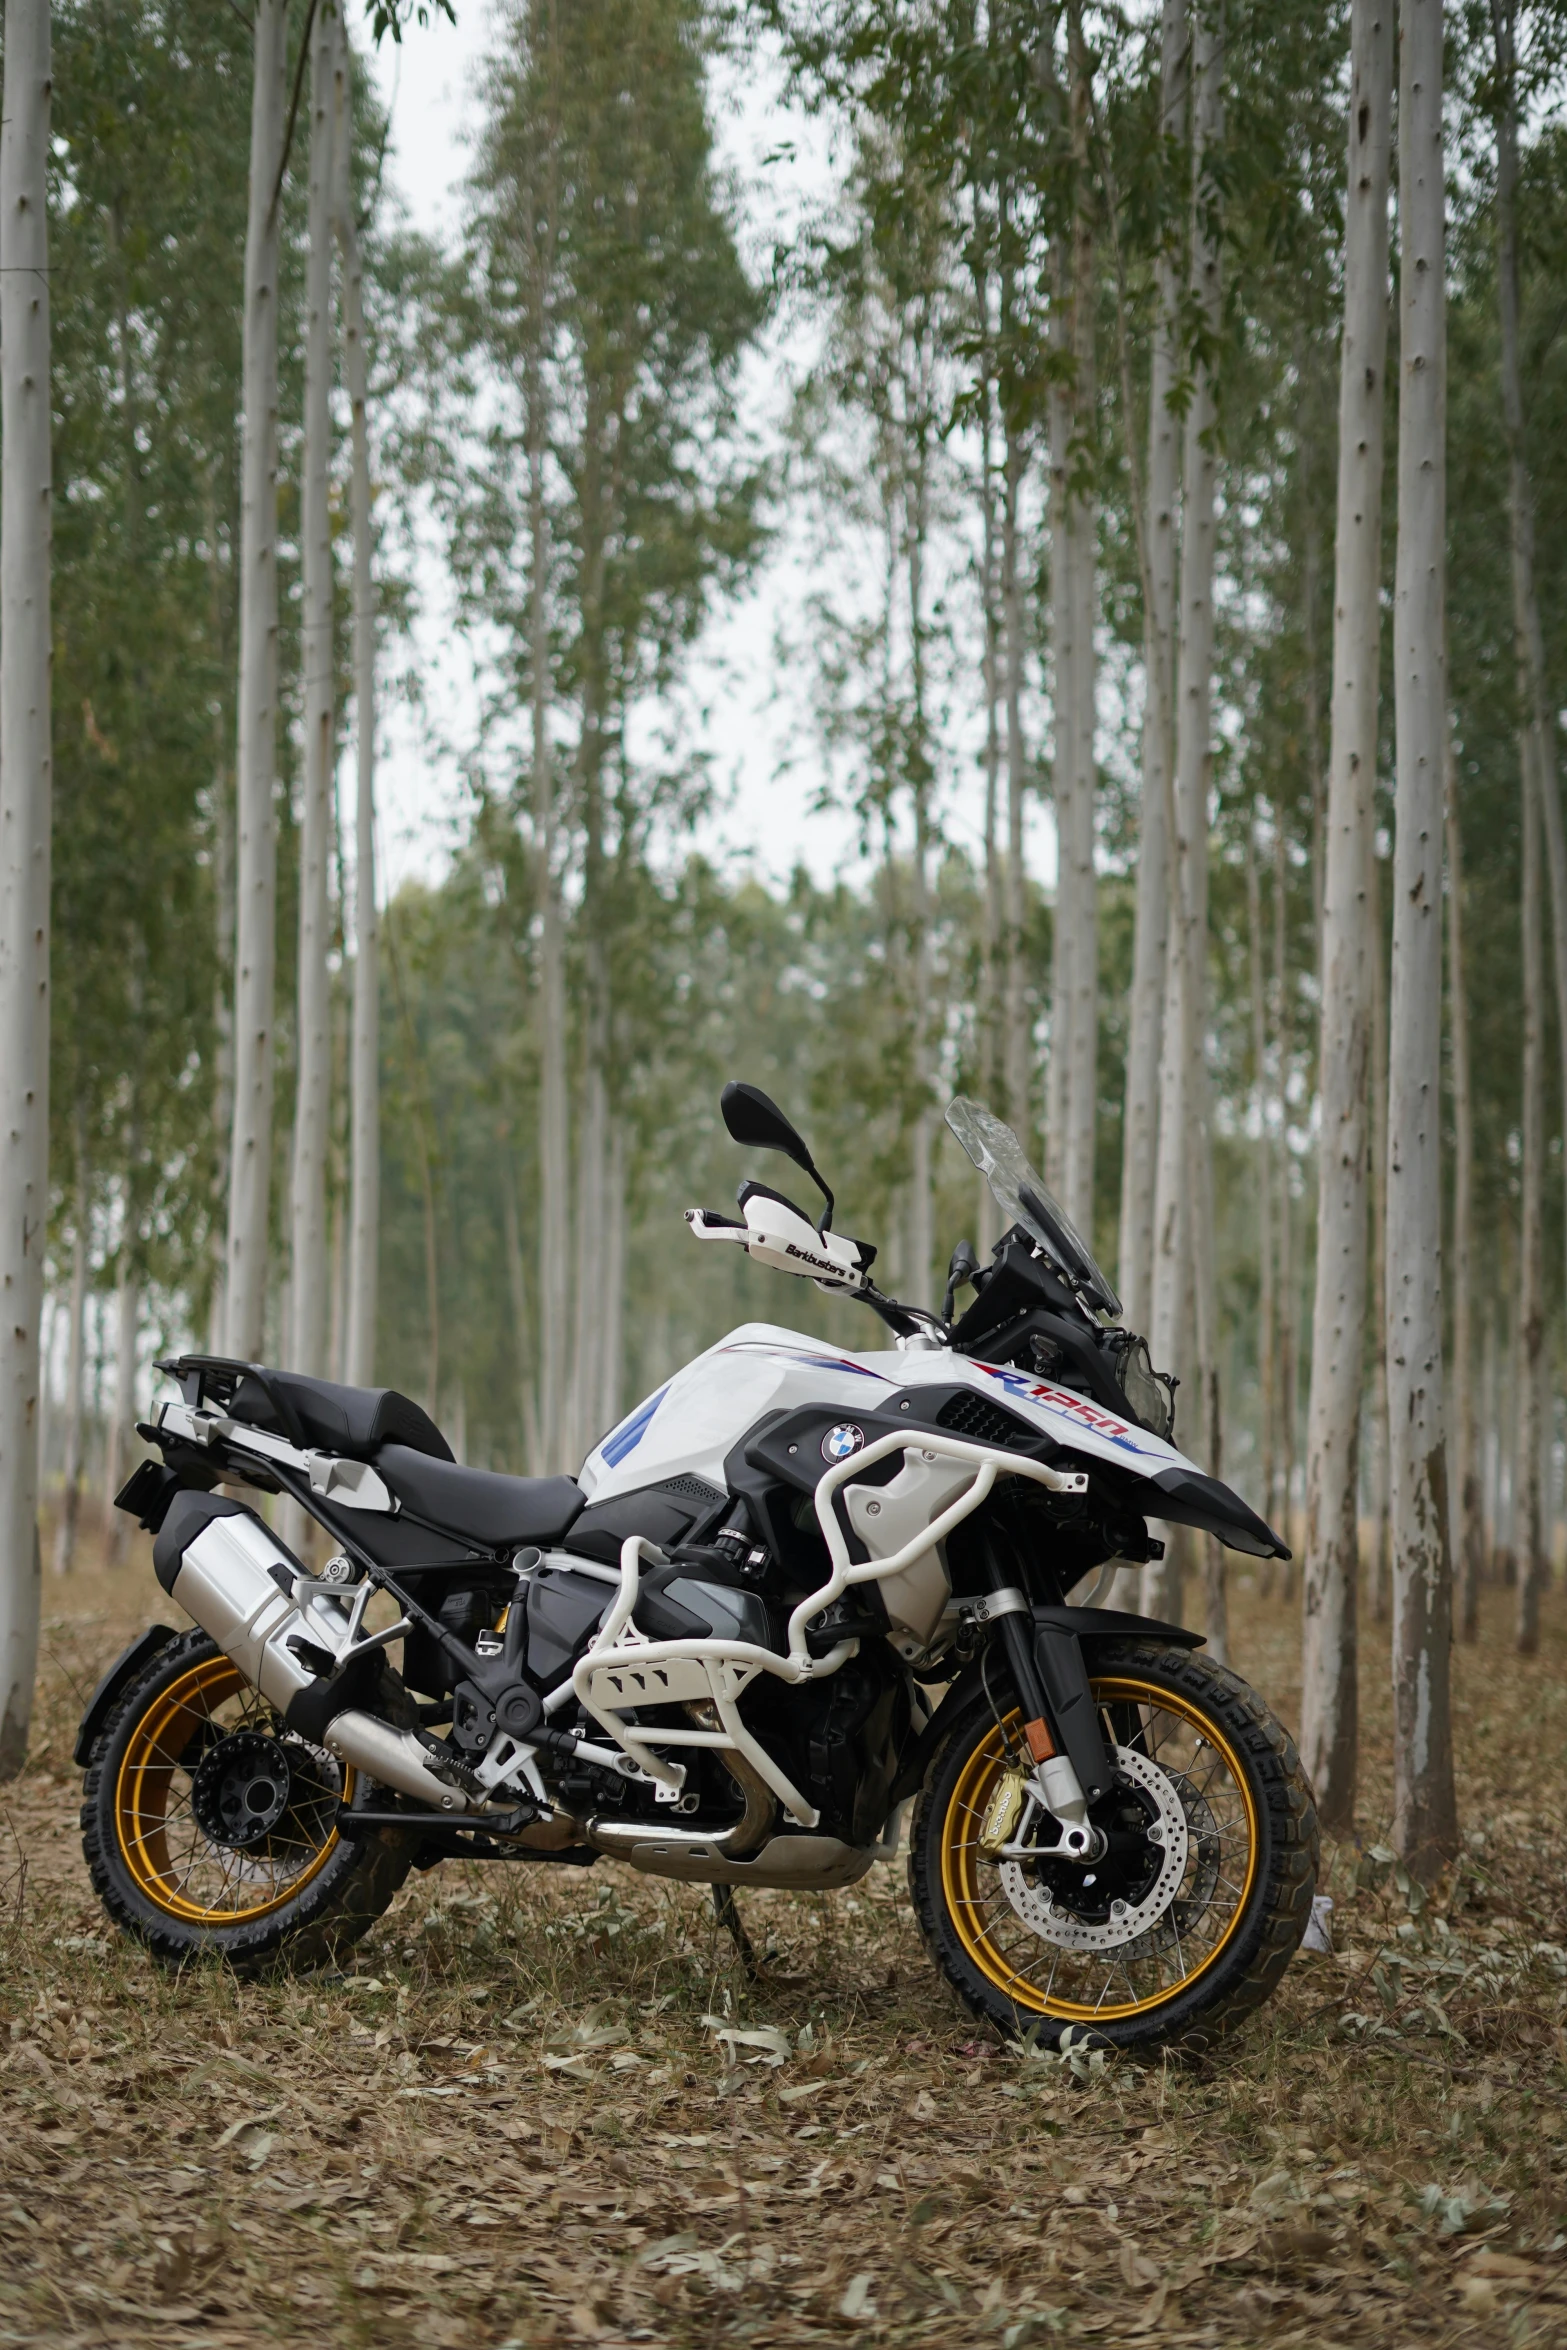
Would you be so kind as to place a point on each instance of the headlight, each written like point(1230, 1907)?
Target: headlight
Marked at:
point(1150, 1394)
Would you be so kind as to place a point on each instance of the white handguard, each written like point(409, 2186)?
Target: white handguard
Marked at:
point(778, 1235)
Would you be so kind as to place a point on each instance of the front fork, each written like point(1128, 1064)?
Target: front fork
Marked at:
point(1072, 1766)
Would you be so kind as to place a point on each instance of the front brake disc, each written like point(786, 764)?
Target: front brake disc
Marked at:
point(1055, 1921)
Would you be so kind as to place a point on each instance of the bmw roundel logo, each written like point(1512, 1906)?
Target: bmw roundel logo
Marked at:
point(840, 1442)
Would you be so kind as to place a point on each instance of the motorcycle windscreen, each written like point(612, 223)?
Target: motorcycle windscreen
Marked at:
point(1021, 1195)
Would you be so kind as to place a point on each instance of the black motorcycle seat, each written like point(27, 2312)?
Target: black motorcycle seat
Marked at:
point(352, 1420)
point(477, 1503)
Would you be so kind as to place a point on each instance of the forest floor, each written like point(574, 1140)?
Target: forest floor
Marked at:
point(512, 2120)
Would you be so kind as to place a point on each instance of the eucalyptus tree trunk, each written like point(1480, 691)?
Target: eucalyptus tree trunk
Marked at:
point(313, 996)
point(920, 1274)
point(364, 1210)
point(1069, 1124)
point(1379, 1579)
point(551, 1394)
point(25, 791)
point(1150, 944)
point(1490, 1450)
point(517, 1285)
point(589, 1283)
point(75, 1369)
point(122, 1420)
point(1534, 695)
point(1528, 1412)
point(608, 1406)
point(250, 1154)
point(593, 1125)
point(1285, 1222)
point(1468, 1535)
point(223, 911)
point(1267, 1312)
point(1205, 1440)
point(1015, 1054)
point(1181, 1096)
point(1329, 1741)
point(987, 1219)
point(916, 537)
point(1425, 1821)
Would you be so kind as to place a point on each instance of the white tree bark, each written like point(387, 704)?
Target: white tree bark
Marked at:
point(588, 1279)
point(122, 1421)
point(987, 1218)
point(1468, 1535)
point(1425, 1820)
point(1285, 1350)
point(1145, 1012)
point(364, 1213)
point(1267, 1315)
point(922, 1288)
point(1329, 1690)
point(1069, 1124)
point(250, 1157)
point(1538, 727)
point(75, 1374)
point(1180, 1096)
point(614, 1247)
point(1379, 1577)
point(308, 1292)
point(1016, 1054)
point(1528, 1408)
point(551, 1389)
point(25, 793)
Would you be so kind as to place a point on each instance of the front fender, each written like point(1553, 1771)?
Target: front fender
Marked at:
point(1093, 1625)
point(120, 1674)
point(1113, 1623)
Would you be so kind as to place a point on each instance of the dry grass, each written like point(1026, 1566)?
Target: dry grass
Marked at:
point(510, 2123)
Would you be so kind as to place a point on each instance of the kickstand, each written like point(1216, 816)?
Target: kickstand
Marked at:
point(727, 1911)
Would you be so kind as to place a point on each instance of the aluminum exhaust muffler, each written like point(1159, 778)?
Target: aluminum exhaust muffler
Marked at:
point(232, 1576)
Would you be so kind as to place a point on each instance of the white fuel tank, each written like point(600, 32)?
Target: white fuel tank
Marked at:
point(691, 1424)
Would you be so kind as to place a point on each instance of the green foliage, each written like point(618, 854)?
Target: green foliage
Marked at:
point(596, 324)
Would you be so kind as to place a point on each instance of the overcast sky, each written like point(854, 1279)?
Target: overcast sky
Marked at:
point(742, 707)
point(737, 708)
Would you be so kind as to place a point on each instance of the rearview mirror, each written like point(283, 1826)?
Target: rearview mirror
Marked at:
point(961, 1271)
point(754, 1119)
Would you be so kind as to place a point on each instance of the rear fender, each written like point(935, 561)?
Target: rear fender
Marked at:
point(119, 1676)
point(976, 1684)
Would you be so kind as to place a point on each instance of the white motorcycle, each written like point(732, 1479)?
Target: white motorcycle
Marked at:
point(798, 1605)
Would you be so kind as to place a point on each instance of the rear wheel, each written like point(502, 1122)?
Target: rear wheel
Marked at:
point(210, 1828)
point(1199, 1900)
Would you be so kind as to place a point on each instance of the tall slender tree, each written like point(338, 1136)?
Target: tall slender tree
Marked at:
point(1468, 1524)
point(75, 1352)
point(1425, 1810)
point(1329, 1694)
point(1537, 727)
point(1140, 1125)
point(364, 1215)
point(25, 527)
point(255, 961)
point(1529, 1411)
point(308, 1284)
point(1073, 1075)
point(1184, 1180)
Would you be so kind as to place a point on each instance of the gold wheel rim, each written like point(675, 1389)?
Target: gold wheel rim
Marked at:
point(172, 1864)
point(1012, 1956)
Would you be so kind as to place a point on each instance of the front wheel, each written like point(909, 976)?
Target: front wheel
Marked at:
point(211, 1829)
point(1199, 1900)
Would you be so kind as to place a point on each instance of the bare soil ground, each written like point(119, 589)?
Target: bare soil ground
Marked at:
point(514, 2121)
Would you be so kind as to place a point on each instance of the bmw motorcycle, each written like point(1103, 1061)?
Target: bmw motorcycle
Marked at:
point(799, 1606)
